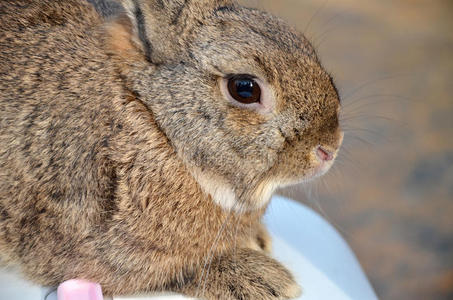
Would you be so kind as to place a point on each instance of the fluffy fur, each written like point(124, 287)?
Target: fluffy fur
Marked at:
point(119, 152)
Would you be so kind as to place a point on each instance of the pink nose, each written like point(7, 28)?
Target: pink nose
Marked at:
point(324, 154)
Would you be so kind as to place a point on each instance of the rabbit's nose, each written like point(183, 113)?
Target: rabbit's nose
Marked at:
point(324, 154)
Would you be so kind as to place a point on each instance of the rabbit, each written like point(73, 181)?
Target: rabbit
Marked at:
point(141, 150)
point(107, 8)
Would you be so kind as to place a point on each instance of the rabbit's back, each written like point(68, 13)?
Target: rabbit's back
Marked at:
point(55, 124)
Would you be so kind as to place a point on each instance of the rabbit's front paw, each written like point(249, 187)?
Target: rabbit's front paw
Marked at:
point(247, 274)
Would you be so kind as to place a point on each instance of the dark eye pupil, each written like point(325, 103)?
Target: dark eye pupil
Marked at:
point(243, 88)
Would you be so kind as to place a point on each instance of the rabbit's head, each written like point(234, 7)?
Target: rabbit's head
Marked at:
point(241, 96)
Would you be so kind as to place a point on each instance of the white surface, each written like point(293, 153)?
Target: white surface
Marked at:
point(321, 260)
point(12, 287)
point(310, 247)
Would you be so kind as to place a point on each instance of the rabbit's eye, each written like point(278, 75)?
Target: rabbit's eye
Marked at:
point(244, 89)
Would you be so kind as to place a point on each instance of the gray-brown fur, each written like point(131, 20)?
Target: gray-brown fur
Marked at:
point(103, 126)
point(107, 8)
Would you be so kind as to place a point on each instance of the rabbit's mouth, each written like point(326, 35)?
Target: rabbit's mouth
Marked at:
point(324, 158)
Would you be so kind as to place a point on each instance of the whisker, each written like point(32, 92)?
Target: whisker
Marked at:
point(363, 141)
point(325, 24)
point(313, 17)
point(347, 129)
point(211, 254)
point(388, 98)
point(314, 199)
point(368, 83)
point(344, 154)
point(346, 118)
point(235, 242)
point(320, 37)
point(323, 37)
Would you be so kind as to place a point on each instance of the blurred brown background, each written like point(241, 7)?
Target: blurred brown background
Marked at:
point(391, 191)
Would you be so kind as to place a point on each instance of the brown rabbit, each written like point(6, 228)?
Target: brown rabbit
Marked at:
point(140, 151)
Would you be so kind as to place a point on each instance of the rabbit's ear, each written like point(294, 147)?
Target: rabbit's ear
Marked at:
point(162, 28)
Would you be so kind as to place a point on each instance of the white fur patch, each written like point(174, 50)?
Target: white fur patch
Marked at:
point(264, 193)
point(221, 192)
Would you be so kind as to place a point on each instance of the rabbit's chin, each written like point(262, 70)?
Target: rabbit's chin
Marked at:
point(223, 194)
point(317, 171)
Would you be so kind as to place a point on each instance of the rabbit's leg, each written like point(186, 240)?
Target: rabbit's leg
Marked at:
point(263, 239)
point(244, 274)
point(260, 239)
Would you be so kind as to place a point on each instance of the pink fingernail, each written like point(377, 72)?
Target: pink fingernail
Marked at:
point(76, 289)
